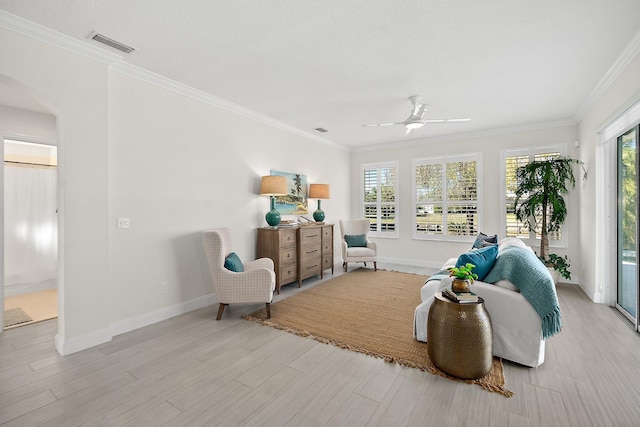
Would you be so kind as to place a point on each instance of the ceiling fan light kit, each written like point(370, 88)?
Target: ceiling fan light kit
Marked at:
point(413, 124)
point(416, 118)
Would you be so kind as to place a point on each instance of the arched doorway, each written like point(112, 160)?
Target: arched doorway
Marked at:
point(29, 199)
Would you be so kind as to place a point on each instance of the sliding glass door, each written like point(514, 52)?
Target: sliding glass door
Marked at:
point(627, 299)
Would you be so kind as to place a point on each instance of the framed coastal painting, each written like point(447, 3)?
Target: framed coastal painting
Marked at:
point(295, 201)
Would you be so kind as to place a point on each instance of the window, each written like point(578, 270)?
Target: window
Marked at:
point(446, 195)
point(380, 198)
point(512, 159)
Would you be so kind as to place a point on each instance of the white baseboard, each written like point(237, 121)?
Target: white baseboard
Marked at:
point(412, 262)
point(162, 314)
point(27, 288)
point(82, 342)
point(85, 341)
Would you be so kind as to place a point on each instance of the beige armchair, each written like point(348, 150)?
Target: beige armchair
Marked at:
point(367, 252)
point(255, 284)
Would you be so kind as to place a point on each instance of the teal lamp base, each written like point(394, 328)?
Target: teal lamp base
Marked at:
point(273, 216)
point(318, 215)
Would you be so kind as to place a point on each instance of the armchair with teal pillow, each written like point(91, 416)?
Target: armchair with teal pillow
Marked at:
point(356, 247)
point(251, 282)
point(233, 263)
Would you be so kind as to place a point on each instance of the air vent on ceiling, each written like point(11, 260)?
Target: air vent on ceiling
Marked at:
point(321, 130)
point(101, 38)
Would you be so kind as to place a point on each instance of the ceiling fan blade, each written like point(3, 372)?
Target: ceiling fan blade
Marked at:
point(382, 124)
point(446, 120)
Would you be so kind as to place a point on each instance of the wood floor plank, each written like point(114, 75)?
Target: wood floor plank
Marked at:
point(355, 411)
point(25, 406)
point(194, 370)
point(298, 396)
point(159, 414)
point(546, 407)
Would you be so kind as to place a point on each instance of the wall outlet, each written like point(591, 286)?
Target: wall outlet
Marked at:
point(124, 223)
point(164, 287)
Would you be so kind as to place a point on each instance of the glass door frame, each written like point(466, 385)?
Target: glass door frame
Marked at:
point(635, 320)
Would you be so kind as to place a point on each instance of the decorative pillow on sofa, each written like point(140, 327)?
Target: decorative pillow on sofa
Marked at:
point(232, 262)
point(482, 258)
point(483, 240)
point(356, 240)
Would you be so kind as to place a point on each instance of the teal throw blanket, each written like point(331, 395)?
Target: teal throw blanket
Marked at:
point(522, 267)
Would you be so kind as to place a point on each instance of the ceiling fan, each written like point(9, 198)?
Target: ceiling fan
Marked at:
point(416, 119)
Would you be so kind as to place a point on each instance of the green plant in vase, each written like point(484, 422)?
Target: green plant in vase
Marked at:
point(463, 276)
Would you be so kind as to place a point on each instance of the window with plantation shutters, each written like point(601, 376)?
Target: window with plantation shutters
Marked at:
point(512, 159)
point(379, 198)
point(446, 197)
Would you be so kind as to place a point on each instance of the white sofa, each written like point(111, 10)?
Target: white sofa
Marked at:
point(517, 328)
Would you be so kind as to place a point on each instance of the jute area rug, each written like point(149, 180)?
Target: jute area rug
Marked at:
point(368, 312)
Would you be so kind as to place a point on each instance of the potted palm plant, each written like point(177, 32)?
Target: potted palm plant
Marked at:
point(539, 202)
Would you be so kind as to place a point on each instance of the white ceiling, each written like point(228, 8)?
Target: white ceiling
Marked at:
point(338, 64)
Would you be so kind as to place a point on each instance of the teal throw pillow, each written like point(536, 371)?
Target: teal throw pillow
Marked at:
point(356, 240)
point(482, 258)
point(232, 262)
point(483, 240)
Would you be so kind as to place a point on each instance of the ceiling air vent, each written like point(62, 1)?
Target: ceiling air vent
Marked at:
point(321, 130)
point(100, 38)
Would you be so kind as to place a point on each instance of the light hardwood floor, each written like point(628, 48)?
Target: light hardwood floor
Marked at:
point(194, 370)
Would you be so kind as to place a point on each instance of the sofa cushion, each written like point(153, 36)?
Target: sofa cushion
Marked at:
point(507, 285)
point(232, 262)
point(482, 258)
point(356, 240)
point(483, 240)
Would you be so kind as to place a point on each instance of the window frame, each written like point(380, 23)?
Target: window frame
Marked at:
point(532, 240)
point(444, 160)
point(396, 203)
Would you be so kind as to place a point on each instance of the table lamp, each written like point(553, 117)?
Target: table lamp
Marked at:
point(319, 191)
point(273, 185)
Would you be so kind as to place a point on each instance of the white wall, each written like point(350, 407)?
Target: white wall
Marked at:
point(172, 164)
point(431, 253)
point(624, 90)
point(178, 166)
point(27, 125)
point(74, 88)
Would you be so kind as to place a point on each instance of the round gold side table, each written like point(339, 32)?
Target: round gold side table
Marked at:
point(460, 338)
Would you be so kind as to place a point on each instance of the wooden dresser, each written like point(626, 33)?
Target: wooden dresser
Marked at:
point(297, 252)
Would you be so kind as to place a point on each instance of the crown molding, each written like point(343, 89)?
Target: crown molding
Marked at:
point(471, 135)
point(117, 63)
point(47, 35)
point(629, 53)
point(183, 89)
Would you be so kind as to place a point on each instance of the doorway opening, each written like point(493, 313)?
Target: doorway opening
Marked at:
point(30, 233)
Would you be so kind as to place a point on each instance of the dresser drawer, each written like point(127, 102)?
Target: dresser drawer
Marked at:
point(288, 256)
point(327, 262)
point(310, 268)
point(310, 252)
point(310, 236)
point(288, 273)
point(288, 238)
